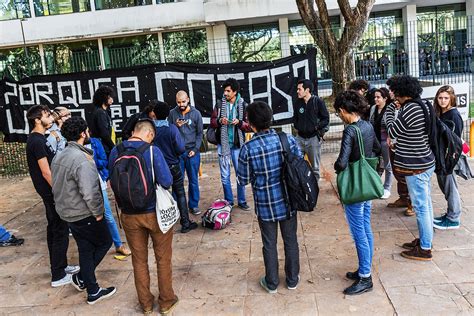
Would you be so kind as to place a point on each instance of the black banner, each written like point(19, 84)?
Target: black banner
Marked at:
point(273, 82)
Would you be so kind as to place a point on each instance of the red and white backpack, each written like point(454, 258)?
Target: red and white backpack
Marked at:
point(218, 215)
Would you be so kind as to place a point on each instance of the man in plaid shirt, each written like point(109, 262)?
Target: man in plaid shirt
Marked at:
point(260, 163)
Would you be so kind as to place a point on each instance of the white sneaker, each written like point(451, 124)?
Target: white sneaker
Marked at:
point(72, 269)
point(66, 280)
point(386, 194)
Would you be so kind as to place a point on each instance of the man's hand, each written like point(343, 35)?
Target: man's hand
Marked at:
point(224, 121)
point(191, 153)
point(99, 218)
point(180, 123)
point(235, 121)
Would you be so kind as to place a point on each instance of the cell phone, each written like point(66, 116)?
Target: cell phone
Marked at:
point(182, 120)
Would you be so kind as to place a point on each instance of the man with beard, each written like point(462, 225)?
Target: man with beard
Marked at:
point(79, 202)
point(39, 155)
point(189, 122)
point(230, 117)
point(101, 124)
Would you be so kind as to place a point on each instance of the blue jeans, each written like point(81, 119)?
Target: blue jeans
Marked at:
point(4, 234)
point(358, 218)
point(419, 187)
point(224, 164)
point(190, 166)
point(109, 218)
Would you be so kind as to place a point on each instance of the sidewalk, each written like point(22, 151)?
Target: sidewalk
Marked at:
point(217, 272)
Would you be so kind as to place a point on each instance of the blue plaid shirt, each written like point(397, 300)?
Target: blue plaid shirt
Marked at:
point(260, 164)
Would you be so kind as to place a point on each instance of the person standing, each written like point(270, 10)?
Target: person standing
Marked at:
point(422, 61)
point(260, 163)
point(384, 63)
point(410, 130)
point(169, 141)
point(454, 56)
point(350, 107)
point(189, 122)
point(101, 123)
point(230, 116)
point(311, 120)
point(39, 155)
point(140, 226)
point(79, 202)
point(445, 107)
point(467, 58)
point(377, 119)
point(444, 60)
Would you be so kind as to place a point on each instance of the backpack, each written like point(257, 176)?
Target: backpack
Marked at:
point(445, 144)
point(134, 190)
point(299, 182)
point(218, 215)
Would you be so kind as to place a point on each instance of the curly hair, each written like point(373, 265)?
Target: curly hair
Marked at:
point(260, 115)
point(161, 109)
point(352, 102)
point(232, 83)
point(452, 98)
point(405, 86)
point(359, 84)
point(101, 95)
point(72, 128)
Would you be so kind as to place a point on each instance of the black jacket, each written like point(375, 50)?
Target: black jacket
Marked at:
point(101, 127)
point(127, 129)
point(312, 118)
point(350, 151)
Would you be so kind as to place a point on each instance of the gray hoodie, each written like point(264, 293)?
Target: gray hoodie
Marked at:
point(192, 131)
point(76, 186)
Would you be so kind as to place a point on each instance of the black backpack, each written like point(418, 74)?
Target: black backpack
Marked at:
point(445, 144)
point(299, 182)
point(133, 189)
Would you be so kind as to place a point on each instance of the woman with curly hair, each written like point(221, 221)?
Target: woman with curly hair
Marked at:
point(445, 107)
point(350, 107)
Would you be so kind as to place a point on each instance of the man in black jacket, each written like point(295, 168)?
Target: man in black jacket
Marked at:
point(101, 124)
point(311, 120)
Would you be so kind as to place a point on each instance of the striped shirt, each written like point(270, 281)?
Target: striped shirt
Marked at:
point(260, 163)
point(412, 149)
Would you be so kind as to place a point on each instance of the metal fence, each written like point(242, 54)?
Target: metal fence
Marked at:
point(434, 50)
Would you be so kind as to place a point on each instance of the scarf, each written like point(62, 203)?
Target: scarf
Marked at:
point(239, 103)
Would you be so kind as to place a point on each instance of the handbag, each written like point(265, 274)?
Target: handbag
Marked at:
point(213, 135)
point(167, 211)
point(360, 181)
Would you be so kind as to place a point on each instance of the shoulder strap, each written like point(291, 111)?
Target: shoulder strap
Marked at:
point(360, 140)
point(284, 143)
point(143, 148)
point(120, 148)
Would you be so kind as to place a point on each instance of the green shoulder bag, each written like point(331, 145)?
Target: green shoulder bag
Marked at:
point(360, 181)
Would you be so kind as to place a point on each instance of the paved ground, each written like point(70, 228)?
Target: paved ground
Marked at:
point(217, 272)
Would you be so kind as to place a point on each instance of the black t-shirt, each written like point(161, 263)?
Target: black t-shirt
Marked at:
point(37, 147)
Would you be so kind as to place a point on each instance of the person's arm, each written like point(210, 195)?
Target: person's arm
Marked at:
point(376, 147)
point(295, 149)
point(45, 170)
point(243, 169)
point(405, 119)
point(163, 175)
point(112, 158)
point(295, 114)
point(101, 126)
point(323, 115)
point(87, 179)
point(244, 124)
point(346, 149)
point(100, 157)
point(458, 123)
point(178, 143)
point(199, 133)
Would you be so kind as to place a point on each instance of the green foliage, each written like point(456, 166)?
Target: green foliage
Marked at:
point(255, 44)
point(75, 57)
point(15, 64)
point(186, 46)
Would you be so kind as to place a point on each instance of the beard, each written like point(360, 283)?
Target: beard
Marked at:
point(183, 108)
point(87, 140)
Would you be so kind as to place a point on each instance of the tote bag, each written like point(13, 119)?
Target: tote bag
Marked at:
point(359, 182)
point(167, 212)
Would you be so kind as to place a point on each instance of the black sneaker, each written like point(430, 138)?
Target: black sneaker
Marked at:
point(360, 286)
point(189, 227)
point(78, 283)
point(12, 241)
point(195, 211)
point(244, 206)
point(100, 295)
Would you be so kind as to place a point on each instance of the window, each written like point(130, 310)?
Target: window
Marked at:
point(14, 9)
point(16, 64)
point(113, 4)
point(72, 57)
point(186, 46)
point(131, 51)
point(254, 43)
point(54, 7)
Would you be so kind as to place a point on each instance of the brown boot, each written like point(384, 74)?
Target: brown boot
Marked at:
point(410, 245)
point(398, 203)
point(417, 254)
point(409, 211)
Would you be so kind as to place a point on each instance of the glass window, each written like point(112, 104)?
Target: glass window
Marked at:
point(54, 7)
point(72, 57)
point(14, 9)
point(113, 4)
point(16, 63)
point(186, 46)
point(131, 51)
point(255, 43)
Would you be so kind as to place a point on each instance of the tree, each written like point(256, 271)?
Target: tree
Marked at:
point(255, 45)
point(338, 51)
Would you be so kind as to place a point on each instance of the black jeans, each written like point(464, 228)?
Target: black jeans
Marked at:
point(93, 241)
point(179, 193)
point(57, 236)
point(269, 231)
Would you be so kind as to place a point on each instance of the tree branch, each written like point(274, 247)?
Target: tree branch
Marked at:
point(346, 11)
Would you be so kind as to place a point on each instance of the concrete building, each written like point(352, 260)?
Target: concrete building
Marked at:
point(75, 35)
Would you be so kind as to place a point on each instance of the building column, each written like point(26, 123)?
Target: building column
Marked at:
point(43, 59)
point(92, 4)
point(470, 21)
point(211, 49)
point(284, 37)
point(161, 45)
point(101, 53)
point(221, 44)
point(411, 39)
